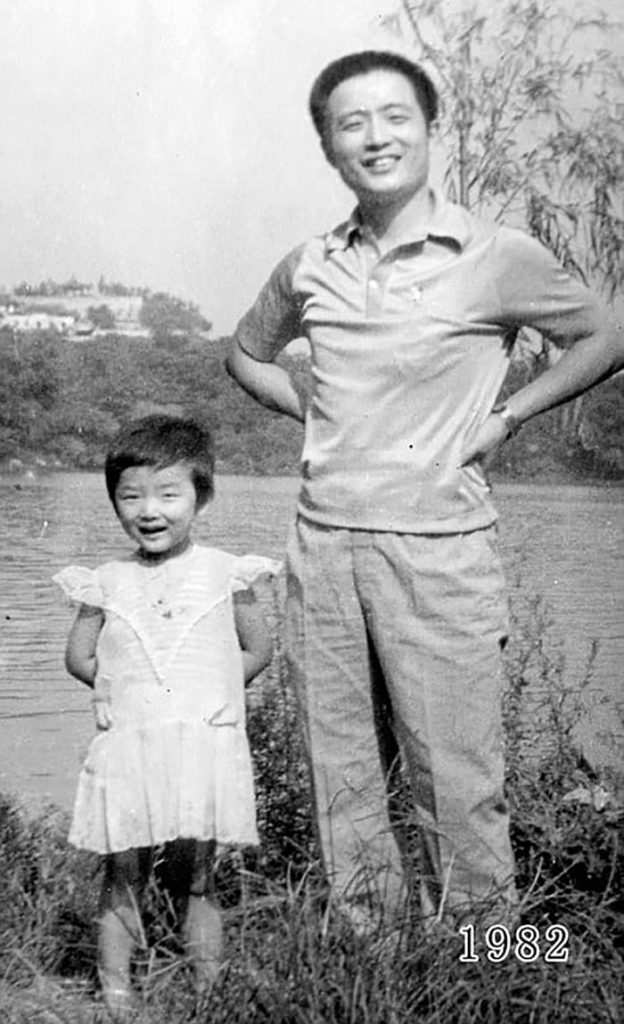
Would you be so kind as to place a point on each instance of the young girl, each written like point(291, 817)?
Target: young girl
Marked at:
point(167, 638)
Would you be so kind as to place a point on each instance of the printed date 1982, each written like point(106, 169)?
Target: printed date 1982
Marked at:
point(526, 944)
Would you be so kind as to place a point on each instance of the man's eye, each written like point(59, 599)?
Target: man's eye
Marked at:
point(349, 126)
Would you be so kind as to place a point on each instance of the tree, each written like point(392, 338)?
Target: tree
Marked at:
point(29, 386)
point(102, 316)
point(52, 289)
point(531, 127)
point(166, 316)
point(116, 288)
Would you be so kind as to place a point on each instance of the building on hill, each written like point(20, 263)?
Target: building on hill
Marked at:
point(24, 322)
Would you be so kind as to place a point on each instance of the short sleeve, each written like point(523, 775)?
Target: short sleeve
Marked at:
point(534, 290)
point(249, 568)
point(80, 585)
point(275, 318)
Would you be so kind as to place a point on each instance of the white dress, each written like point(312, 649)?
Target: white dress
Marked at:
point(175, 761)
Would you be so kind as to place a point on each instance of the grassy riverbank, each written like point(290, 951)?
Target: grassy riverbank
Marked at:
point(293, 962)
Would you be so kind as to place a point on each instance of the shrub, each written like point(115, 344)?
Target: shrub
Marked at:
point(293, 962)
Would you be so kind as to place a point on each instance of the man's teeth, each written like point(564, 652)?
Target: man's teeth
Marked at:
point(381, 161)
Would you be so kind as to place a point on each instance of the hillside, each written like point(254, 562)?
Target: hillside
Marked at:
point(78, 310)
point(62, 401)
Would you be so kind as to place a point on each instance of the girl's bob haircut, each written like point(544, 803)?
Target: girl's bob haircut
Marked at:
point(159, 441)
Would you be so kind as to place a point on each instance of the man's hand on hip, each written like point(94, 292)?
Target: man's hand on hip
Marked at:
point(483, 446)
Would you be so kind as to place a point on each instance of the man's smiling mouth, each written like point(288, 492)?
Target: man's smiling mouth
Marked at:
point(380, 163)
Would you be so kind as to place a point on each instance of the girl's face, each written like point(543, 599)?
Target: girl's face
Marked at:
point(157, 508)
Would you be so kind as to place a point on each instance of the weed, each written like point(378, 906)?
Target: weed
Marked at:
point(290, 960)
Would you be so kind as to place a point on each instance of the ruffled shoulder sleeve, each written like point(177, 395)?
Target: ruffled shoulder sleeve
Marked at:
point(81, 585)
point(249, 568)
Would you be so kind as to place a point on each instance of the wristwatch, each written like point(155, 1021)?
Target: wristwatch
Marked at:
point(512, 423)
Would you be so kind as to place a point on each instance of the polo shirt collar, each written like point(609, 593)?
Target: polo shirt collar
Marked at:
point(448, 221)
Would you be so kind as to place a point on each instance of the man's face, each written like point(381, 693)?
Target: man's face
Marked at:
point(376, 136)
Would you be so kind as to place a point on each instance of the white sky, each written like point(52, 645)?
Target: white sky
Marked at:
point(166, 143)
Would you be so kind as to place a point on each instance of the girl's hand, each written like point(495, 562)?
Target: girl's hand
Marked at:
point(253, 636)
point(483, 446)
point(102, 701)
point(103, 716)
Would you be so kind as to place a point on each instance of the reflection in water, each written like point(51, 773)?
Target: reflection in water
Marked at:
point(560, 542)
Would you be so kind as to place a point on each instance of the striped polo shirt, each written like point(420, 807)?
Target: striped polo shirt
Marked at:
point(409, 350)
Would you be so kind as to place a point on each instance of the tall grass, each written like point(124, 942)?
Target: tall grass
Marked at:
point(290, 960)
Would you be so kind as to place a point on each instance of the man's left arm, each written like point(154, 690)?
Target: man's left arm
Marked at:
point(573, 319)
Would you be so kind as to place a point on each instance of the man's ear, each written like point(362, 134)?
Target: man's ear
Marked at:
point(327, 150)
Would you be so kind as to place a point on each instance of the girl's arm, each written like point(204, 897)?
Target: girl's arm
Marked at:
point(253, 635)
point(80, 658)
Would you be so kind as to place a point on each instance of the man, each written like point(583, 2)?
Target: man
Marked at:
point(396, 603)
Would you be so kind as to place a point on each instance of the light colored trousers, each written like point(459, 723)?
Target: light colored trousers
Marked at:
point(394, 644)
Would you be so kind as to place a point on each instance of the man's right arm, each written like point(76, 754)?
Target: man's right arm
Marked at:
point(268, 383)
point(263, 332)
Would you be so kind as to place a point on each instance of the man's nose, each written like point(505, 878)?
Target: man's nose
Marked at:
point(377, 133)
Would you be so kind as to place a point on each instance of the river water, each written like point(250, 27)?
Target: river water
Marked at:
point(563, 544)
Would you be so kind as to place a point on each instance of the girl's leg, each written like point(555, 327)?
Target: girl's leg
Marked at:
point(119, 927)
point(203, 930)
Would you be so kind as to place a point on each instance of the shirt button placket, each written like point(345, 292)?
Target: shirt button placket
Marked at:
point(373, 297)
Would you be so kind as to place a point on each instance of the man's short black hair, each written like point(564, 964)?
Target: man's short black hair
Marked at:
point(159, 441)
point(360, 64)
